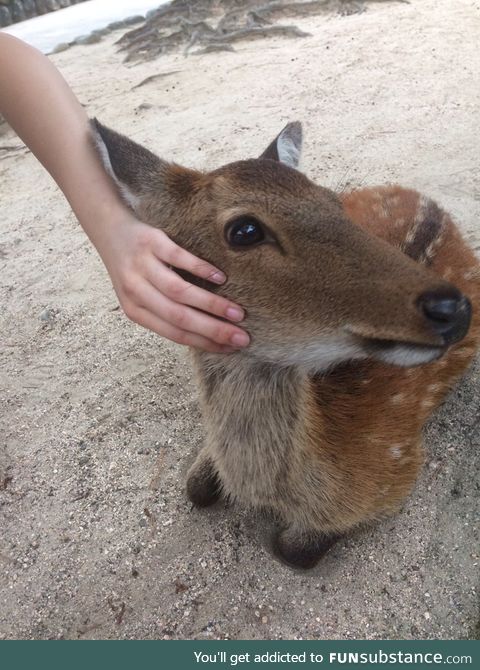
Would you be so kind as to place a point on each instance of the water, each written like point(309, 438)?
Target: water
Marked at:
point(47, 31)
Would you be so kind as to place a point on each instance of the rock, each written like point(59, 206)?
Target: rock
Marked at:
point(88, 39)
point(52, 5)
point(63, 46)
point(17, 11)
point(116, 25)
point(133, 19)
point(29, 8)
point(12, 11)
point(41, 6)
point(5, 17)
point(150, 13)
point(125, 23)
point(93, 37)
point(48, 315)
point(101, 31)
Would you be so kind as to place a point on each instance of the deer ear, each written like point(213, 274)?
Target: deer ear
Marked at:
point(134, 169)
point(287, 146)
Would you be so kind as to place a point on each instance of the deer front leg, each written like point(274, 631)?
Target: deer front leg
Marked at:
point(301, 549)
point(203, 482)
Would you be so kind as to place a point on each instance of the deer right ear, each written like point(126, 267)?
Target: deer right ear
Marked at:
point(134, 169)
point(287, 146)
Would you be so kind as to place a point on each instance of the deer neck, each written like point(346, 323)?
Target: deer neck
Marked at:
point(254, 419)
point(243, 389)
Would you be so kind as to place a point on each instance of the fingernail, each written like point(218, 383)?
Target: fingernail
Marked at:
point(235, 314)
point(240, 339)
point(218, 277)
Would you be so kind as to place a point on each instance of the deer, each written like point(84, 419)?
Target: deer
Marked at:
point(363, 309)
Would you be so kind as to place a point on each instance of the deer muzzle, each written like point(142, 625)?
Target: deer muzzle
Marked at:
point(448, 313)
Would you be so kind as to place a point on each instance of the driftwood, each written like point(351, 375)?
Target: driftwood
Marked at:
point(213, 25)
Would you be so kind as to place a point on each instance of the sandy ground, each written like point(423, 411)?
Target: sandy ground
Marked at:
point(100, 418)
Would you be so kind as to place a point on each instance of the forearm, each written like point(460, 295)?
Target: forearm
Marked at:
point(41, 108)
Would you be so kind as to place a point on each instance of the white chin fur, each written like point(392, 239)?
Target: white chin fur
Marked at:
point(316, 356)
point(406, 355)
point(320, 356)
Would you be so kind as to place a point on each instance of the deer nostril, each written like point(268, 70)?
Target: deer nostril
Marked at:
point(448, 314)
point(441, 310)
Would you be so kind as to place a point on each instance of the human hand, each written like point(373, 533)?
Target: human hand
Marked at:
point(151, 294)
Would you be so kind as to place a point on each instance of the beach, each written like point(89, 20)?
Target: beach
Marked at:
point(100, 418)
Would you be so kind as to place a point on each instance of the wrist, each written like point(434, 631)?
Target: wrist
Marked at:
point(102, 220)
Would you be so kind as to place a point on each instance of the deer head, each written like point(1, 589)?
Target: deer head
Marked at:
point(317, 289)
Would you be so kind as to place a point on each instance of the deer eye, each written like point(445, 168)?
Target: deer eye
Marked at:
point(245, 231)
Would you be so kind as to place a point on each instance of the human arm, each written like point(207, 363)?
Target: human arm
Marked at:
point(43, 110)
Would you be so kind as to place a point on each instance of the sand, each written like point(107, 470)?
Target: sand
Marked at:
point(100, 418)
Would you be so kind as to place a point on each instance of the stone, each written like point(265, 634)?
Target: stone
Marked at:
point(101, 31)
point(88, 39)
point(29, 8)
point(63, 46)
point(133, 19)
point(52, 5)
point(17, 11)
point(48, 315)
point(41, 6)
point(5, 16)
point(116, 25)
point(151, 13)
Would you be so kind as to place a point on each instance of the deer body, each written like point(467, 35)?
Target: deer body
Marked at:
point(353, 346)
point(331, 451)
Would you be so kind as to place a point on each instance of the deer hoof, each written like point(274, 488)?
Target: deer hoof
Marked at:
point(301, 552)
point(203, 485)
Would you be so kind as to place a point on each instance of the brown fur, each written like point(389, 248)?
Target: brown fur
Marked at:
point(325, 446)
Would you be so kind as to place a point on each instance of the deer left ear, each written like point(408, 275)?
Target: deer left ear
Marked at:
point(134, 169)
point(287, 146)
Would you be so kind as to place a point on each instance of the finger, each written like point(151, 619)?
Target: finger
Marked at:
point(178, 290)
point(171, 253)
point(148, 320)
point(188, 319)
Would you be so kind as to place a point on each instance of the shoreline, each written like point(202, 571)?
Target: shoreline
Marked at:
point(79, 22)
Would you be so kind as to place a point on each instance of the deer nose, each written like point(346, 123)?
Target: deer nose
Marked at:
point(448, 313)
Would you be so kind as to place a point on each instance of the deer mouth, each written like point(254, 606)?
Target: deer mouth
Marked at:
point(446, 317)
point(403, 354)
